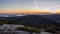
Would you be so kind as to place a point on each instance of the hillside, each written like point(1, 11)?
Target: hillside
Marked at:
point(36, 21)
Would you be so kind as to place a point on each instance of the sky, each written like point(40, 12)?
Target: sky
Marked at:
point(29, 6)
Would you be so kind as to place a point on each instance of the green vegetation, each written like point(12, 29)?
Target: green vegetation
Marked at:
point(1, 22)
point(28, 28)
point(37, 28)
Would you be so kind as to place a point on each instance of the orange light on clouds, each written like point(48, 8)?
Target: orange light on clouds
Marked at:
point(12, 11)
point(58, 11)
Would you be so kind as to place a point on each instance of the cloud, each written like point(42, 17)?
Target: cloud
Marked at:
point(52, 5)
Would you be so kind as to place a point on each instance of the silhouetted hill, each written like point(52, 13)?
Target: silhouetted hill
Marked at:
point(37, 20)
point(33, 20)
point(55, 17)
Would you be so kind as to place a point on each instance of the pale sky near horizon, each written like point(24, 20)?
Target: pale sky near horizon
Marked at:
point(51, 5)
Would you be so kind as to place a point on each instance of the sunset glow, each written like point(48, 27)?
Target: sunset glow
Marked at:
point(30, 6)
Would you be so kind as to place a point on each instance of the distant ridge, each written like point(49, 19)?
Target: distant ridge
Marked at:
point(33, 19)
point(55, 17)
point(10, 15)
